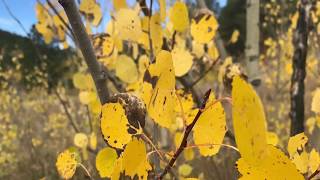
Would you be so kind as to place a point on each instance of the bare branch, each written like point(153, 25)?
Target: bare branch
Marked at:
point(66, 111)
point(14, 17)
point(86, 48)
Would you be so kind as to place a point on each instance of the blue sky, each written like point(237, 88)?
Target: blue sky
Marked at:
point(24, 11)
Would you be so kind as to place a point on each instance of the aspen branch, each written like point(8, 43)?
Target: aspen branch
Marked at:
point(66, 111)
point(85, 45)
point(184, 141)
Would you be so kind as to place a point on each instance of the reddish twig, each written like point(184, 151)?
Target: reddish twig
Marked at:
point(313, 174)
point(173, 41)
point(184, 141)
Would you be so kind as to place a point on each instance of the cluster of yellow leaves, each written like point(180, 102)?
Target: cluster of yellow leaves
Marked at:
point(92, 11)
point(87, 95)
point(304, 161)
point(258, 159)
point(133, 161)
point(49, 25)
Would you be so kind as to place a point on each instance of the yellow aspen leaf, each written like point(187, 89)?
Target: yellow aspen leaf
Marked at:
point(188, 154)
point(156, 34)
point(128, 22)
point(235, 36)
point(184, 106)
point(66, 164)
point(82, 81)
point(46, 32)
point(310, 124)
point(92, 11)
point(222, 69)
point(210, 128)
point(275, 166)
point(105, 161)
point(179, 16)
point(93, 140)
point(117, 169)
point(248, 121)
point(203, 28)
point(134, 160)
point(160, 75)
point(143, 63)
point(80, 140)
point(314, 160)
point(126, 69)
point(296, 143)
point(45, 23)
point(107, 46)
point(301, 161)
point(118, 4)
point(177, 139)
point(315, 106)
point(95, 107)
point(182, 61)
point(115, 126)
point(87, 97)
point(213, 52)
point(198, 49)
point(185, 170)
point(272, 138)
point(163, 10)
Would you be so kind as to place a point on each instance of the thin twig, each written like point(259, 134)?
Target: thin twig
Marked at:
point(206, 72)
point(148, 140)
point(313, 174)
point(86, 170)
point(61, 19)
point(14, 17)
point(89, 118)
point(173, 40)
point(149, 32)
point(66, 111)
point(210, 145)
point(86, 48)
point(184, 141)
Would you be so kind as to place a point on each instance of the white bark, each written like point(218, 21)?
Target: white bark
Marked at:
point(252, 40)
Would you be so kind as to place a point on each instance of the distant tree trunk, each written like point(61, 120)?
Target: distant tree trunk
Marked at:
point(252, 41)
point(300, 41)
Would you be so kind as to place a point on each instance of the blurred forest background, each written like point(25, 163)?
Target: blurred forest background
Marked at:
point(40, 109)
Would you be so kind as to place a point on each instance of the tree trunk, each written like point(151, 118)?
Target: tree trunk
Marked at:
point(252, 41)
point(300, 41)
